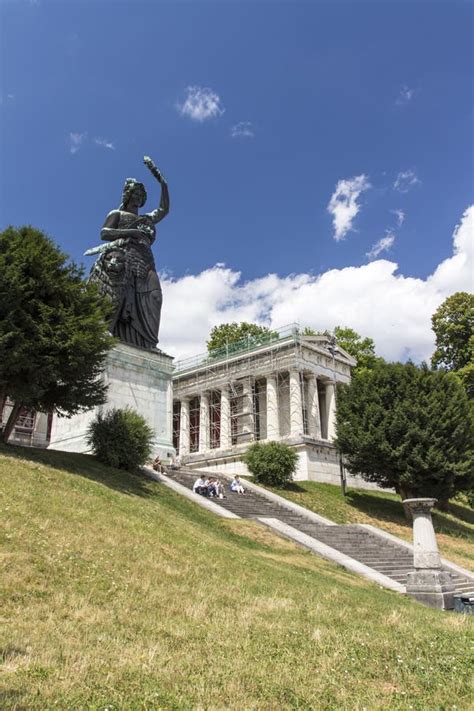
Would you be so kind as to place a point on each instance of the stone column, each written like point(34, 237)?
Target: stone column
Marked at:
point(184, 434)
point(296, 405)
point(314, 417)
point(429, 583)
point(331, 410)
point(226, 433)
point(204, 423)
point(248, 424)
point(273, 423)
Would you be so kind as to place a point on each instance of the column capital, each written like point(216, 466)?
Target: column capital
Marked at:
point(420, 506)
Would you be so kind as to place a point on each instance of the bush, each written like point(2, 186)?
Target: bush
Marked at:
point(120, 438)
point(271, 463)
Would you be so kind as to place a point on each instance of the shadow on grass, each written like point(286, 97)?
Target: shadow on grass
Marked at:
point(463, 512)
point(84, 465)
point(392, 510)
point(292, 486)
point(378, 507)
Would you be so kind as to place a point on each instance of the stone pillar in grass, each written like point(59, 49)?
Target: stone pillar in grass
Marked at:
point(428, 583)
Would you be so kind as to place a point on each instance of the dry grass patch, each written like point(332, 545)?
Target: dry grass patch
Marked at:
point(119, 594)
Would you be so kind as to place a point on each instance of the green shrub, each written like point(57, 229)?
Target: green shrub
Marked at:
point(271, 463)
point(120, 438)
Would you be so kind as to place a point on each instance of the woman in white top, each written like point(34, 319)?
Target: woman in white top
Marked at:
point(236, 485)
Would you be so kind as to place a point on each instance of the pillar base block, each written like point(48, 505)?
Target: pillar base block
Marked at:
point(432, 587)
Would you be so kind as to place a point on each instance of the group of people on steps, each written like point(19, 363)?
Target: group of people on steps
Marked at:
point(213, 487)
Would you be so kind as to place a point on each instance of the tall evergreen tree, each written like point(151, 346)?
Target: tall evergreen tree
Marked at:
point(409, 428)
point(53, 334)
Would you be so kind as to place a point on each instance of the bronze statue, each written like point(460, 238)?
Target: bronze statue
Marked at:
point(125, 270)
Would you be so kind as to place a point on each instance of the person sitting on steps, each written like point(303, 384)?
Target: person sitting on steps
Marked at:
point(236, 485)
point(201, 486)
point(212, 487)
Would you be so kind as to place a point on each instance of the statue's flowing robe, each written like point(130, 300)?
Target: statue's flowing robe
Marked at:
point(127, 274)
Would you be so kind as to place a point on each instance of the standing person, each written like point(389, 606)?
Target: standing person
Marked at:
point(236, 485)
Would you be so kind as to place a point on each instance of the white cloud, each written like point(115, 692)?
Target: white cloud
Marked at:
point(405, 180)
point(243, 129)
point(75, 141)
point(343, 204)
point(374, 299)
point(200, 104)
point(400, 215)
point(382, 245)
point(405, 96)
point(104, 143)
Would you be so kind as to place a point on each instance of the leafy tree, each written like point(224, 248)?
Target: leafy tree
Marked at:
point(453, 324)
point(236, 336)
point(409, 428)
point(120, 438)
point(271, 463)
point(53, 335)
point(466, 376)
point(362, 349)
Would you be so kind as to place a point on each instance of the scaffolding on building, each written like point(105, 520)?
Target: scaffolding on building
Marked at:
point(242, 369)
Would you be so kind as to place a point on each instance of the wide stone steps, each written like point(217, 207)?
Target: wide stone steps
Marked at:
point(352, 540)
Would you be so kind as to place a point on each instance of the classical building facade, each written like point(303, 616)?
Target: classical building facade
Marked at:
point(281, 390)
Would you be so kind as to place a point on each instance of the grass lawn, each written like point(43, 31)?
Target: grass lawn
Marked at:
point(455, 530)
point(119, 594)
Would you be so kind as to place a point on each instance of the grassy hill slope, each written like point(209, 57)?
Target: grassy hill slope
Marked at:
point(455, 529)
point(118, 594)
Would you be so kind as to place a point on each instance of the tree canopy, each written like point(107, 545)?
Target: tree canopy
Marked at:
point(453, 325)
point(53, 333)
point(237, 334)
point(359, 347)
point(409, 428)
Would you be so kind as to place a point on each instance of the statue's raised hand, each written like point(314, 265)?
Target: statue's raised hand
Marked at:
point(152, 168)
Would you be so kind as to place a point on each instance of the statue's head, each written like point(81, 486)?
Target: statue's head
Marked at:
point(134, 191)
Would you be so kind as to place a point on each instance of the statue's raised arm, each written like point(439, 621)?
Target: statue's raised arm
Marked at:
point(164, 206)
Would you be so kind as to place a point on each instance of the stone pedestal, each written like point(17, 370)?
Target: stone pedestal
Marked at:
point(138, 379)
point(428, 583)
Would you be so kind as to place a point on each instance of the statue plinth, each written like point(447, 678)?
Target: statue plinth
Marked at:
point(136, 378)
point(428, 583)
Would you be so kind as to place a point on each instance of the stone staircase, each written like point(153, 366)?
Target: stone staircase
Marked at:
point(381, 555)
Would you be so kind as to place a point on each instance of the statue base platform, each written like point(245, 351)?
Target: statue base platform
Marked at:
point(431, 587)
point(138, 379)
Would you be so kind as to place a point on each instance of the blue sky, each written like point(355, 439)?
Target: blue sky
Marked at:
point(257, 113)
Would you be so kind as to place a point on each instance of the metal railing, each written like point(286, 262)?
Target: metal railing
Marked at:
point(246, 345)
